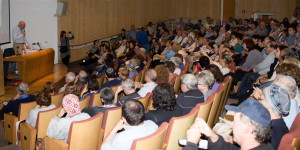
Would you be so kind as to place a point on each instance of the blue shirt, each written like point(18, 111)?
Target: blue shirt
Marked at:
point(108, 84)
point(142, 38)
point(17, 35)
point(169, 54)
point(291, 39)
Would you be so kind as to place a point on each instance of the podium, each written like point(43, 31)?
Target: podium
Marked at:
point(33, 65)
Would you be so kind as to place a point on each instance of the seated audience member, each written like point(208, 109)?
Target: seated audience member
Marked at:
point(224, 62)
point(215, 70)
point(164, 103)
point(69, 77)
point(123, 35)
point(128, 87)
point(72, 88)
point(277, 101)
point(178, 63)
point(112, 80)
point(190, 95)
point(178, 37)
point(122, 49)
point(108, 63)
point(90, 88)
point(201, 64)
point(43, 101)
point(59, 125)
point(107, 97)
point(251, 129)
point(162, 74)
point(167, 54)
point(205, 82)
point(150, 78)
point(254, 57)
point(262, 30)
point(12, 106)
point(132, 67)
point(135, 126)
point(81, 78)
point(48, 88)
point(91, 58)
point(171, 68)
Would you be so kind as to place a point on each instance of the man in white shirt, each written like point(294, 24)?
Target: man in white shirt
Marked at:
point(122, 48)
point(69, 77)
point(150, 77)
point(18, 36)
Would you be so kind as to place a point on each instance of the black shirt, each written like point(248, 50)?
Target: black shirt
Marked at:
point(188, 100)
point(160, 116)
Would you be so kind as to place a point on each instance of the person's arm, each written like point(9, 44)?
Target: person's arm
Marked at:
point(57, 128)
point(113, 132)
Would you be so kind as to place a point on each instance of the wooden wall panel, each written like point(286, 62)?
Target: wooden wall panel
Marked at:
point(280, 8)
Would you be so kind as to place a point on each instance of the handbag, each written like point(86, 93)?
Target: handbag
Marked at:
point(63, 49)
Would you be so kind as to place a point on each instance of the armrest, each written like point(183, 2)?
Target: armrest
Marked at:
point(10, 127)
point(54, 144)
point(27, 136)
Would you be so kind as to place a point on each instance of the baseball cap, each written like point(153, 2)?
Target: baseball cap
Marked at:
point(278, 98)
point(254, 110)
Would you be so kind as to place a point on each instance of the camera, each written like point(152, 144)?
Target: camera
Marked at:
point(70, 32)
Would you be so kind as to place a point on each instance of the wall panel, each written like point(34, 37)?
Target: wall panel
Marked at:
point(280, 8)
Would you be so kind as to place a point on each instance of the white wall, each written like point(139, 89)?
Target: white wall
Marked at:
point(41, 24)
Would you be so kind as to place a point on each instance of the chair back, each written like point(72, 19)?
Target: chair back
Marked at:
point(143, 74)
point(115, 88)
point(215, 106)
point(145, 101)
point(177, 84)
point(85, 102)
point(139, 76)
point(150, 105)
point(290, 141)
point(57, 98)
point(110, 119)
point(153, 141)
point(178, 127)
point(43, 120)
point(25, 109)
point(224, 98)
point(96, 100)
point(11, 120)
point(85, 134)
point(101, 80)
point(204, 108)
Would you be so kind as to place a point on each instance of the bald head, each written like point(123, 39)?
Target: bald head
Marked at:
point(22, 24)
point(151, 75)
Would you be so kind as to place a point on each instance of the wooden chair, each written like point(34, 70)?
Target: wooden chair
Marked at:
point(28, 133)
point(57, 98)
point(110, 119)
point(150, 106)
point(82, 135)
point(224, 98)
point(11, 120)
point(153, 141)
point(139, 76)
point(215, 106)
point(143, 75)
point(290, 141)
point(85, 102)
point(177, 84)
point(145, 101)
point(204, 108)
point(101, 80)
point(172, 82)
point(96, 100)
point(115, 88)
point(177, 129)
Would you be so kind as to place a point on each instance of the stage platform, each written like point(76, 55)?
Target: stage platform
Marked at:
point(57, 77)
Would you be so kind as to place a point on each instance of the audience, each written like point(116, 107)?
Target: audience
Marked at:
point(162, 74)
point(107, 97)
point(190, 95)
point(128, 87)
point(69, 77)
point(59, 125)
point(205, 82)
point(13, 105)
point(150, 78)
point(90, 88)
point(43, 100)
point(134, 124)
point(81, 78)
point(164, 103)
point(250, 126)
